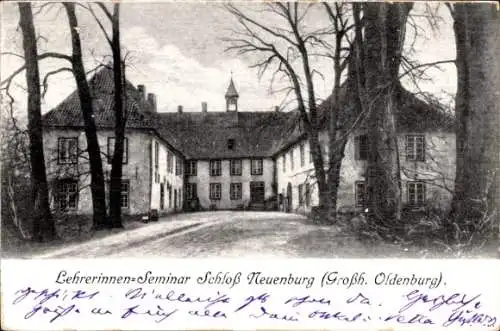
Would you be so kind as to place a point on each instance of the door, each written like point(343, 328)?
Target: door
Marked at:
point(162, 196)
point(289, 198)
point(257, 191)
point(175, 199)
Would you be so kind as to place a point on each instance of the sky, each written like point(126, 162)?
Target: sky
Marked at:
point(177, 51)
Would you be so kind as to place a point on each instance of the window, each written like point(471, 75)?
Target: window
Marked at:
point(283, 160)
point(215, 167)
point(235, 167)
point(235, 191)
point(416, 193)
point(66, 197)
point(111, 149)
point(67, 150)
point(308, 194)
point(302, 155)
point(215, 191)
point(291, 160)
point(300, 188)
point(256, 167)
point(230, 144)
point(360, 194)
point(157, 161)
point(178, 166)
point(361, 147)
point(124, 194)
point(415, 148)
point(191, 191)
point(191, 168)
point(311, 159)
point(170, 162)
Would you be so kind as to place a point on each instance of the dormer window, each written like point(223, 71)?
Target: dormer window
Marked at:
point(230, 144)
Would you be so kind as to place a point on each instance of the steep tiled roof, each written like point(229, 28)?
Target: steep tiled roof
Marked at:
point(68, 113)
point(204, 135)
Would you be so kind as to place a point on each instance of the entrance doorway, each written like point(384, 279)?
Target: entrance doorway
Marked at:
point(289, 198)
point(257, 191)
point(162, 196)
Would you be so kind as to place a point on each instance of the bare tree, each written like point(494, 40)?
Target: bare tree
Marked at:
point(43, 224)
point(293, 61)
point(339, 121)
point(379, 43)
point(119, 110)
point(475, 199)
point(97, 177)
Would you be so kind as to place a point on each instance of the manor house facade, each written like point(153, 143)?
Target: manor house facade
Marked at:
point(235, 159)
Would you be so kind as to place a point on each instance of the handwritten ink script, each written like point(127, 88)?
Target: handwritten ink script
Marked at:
point(256, 297)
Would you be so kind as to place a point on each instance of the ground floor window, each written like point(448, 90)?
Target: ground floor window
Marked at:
point(360, 192)
point(416, 193)
point(300, 189)
point(308, 194)
point(191, 192)
point(66, 197)
point(215, 191)
point(235, 191)
point(124, 194)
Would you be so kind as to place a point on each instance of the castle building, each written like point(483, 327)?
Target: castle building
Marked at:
point(180, 161)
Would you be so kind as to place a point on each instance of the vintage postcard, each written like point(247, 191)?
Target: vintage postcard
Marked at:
point(250, 165)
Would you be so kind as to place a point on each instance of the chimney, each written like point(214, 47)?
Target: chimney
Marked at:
point(152, 101)
point(142, 91)
point(204, 107)
point(276, 108)
point(179, 109)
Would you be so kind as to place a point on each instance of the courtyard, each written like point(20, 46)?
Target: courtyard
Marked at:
point(228, 234)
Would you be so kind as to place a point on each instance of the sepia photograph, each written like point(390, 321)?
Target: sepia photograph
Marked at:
point(250, 130)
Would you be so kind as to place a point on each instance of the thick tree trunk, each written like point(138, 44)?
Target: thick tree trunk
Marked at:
point(97, 177)
point(43, 225)
point(120, 104)
point(475, 198)
point(384, 37)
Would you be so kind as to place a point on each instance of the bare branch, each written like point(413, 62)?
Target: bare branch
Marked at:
point(101, 26)
point(46, 78)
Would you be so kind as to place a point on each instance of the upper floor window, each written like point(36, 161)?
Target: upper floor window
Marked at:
point(170, 162)
point(291, 160)
point(215, 167)
point(256, 167)
point(416, 193)
point(362, 147)
point(283, 162)
point(235, 191)
point(310, 154)
point(215, 191)
point(67, 150)
point(415, 148)
point(360, 194)
point(302, 155)
point(191, 167)
point(230, 144)
point(111, 149)
point(66, 197)
point(178, 166)
point(235, 167)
